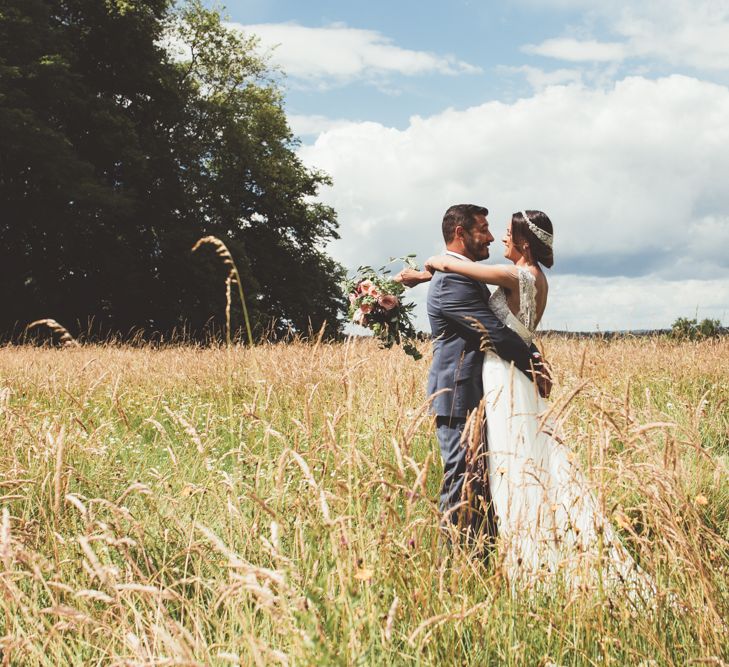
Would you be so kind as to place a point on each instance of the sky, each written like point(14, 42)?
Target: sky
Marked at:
point(612, 117)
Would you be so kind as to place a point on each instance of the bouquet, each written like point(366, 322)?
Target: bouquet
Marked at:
point(375, 302)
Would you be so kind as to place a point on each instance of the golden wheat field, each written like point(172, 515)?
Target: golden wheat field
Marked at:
point(277, 505)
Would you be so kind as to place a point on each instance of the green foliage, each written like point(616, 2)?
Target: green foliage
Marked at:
point(375, 302)
point(690, 329)
point(117, 157)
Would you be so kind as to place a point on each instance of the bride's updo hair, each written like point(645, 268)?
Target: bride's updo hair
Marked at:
point(521, 233)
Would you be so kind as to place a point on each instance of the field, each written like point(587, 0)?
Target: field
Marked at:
point(276, 505)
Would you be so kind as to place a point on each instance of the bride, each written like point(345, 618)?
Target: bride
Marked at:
point(548, 519)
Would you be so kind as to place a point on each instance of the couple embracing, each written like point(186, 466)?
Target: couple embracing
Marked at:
point(505, 476)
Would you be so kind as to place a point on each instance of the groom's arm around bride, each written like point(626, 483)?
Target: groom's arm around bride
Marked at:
point(463, 325)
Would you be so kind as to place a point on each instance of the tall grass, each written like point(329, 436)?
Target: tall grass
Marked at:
point(168, 507)
point(233, 278)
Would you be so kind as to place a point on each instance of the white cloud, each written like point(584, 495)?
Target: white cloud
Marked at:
point(710, 238)
point(339, 54)
point(683, 33)
point(633, 178)
point(540, 79)
point(680, 32)
point(575, 50)
point(586, 303)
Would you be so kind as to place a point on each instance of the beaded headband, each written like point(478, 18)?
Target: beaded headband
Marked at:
point(544, 237)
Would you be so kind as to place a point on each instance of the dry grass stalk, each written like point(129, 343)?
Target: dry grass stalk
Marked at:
point(390, 622)
point(226, 555)
point(221, 250)
point(64, 336)
point(57, 443)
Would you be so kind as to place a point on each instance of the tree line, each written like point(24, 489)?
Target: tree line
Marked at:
point(128, 130)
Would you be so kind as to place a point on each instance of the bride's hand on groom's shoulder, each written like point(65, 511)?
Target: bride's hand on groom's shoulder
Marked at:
point(410, 277)
point(435, 263)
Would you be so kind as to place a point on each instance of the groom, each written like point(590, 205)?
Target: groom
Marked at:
point(460, 318)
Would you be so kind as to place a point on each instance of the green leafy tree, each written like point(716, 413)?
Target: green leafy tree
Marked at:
point(708, 328)
point(691, 329)
point(116, 157)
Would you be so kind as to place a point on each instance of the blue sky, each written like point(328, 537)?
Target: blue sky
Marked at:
point(485, 35)
point(612, 117)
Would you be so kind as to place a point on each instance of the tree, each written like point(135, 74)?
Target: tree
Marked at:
point(691, 329)
point(116, 157)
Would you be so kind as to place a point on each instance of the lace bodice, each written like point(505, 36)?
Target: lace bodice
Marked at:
point(525, 321)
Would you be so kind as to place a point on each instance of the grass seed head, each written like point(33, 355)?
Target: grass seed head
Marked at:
point(64, 336)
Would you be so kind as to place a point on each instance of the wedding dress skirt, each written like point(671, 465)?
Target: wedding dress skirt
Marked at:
point(548, 520)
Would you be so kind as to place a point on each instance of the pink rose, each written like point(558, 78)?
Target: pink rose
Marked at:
point(368, 288)
point(366, 308)
point(388, 301)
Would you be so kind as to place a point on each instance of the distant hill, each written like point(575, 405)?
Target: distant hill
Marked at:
point(625, 333)
point(634, 333)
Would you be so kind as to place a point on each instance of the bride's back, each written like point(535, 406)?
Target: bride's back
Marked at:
point(530, 237)
point(529, 302)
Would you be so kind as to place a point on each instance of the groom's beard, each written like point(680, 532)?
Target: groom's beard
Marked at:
point(478, 251)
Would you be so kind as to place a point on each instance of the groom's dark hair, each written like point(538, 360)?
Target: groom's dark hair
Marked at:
point(460, 215)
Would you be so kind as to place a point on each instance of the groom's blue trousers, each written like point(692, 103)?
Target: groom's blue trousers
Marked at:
point(476, 519)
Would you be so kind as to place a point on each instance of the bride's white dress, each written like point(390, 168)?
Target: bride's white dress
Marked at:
point(548, 519)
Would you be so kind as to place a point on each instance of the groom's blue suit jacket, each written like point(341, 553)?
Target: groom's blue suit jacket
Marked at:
point(453, 302)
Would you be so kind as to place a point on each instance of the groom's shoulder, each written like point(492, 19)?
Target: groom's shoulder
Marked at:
point(456, 281)
point(442, 279)
point(449, 287)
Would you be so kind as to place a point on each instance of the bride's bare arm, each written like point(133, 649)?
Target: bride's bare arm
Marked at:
point(504, 276)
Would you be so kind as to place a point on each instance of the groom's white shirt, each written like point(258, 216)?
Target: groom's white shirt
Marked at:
point(455, 254)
